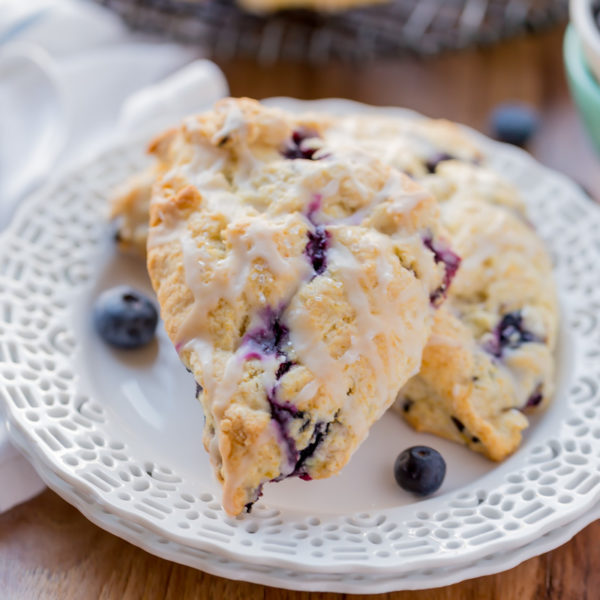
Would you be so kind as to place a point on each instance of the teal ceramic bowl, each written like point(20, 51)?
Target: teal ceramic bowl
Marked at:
point(584, 88)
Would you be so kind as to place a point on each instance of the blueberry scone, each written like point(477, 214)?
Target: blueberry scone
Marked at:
point(435, 152)
point(296, 278)
point(490, 357)
point(417, 147)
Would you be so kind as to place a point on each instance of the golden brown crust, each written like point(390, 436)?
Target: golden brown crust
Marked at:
point(294, 281)
point(473, 386)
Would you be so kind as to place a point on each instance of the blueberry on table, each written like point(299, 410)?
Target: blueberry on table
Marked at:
point(514, 123)
point(420, 470)
point(125, 318)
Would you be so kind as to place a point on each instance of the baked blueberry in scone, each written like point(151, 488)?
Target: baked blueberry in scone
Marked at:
point(295, 277)
point(489, 359)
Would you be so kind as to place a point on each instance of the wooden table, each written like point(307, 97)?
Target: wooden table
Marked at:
point(48, 550)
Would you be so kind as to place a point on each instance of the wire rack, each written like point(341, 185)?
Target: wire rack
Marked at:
point(383, 30)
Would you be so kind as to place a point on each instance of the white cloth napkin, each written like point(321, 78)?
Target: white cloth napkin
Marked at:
point(73, 79)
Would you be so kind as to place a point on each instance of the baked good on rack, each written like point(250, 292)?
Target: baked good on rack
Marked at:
point(296, 278)
point(321, 6)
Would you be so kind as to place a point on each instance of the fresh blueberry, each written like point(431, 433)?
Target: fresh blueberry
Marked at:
point(420, 470)
point(125, 318)
point(514, 123)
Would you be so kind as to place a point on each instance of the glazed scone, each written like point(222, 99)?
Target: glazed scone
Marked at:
point(455, 180)
point(490, 358)
point(491, 354)
point(435, 152)
point(296, 279)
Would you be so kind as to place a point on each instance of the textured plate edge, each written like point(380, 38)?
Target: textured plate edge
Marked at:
point(93, 512)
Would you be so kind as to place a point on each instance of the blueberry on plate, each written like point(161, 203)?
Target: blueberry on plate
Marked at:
point(514, 123)
point(125, 318)
point(420, 470)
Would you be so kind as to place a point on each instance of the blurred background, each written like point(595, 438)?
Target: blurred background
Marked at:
point(69, 69)
point(322, 30)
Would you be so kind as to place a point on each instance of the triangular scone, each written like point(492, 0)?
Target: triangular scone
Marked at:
point(296, 280)
point(490, 358)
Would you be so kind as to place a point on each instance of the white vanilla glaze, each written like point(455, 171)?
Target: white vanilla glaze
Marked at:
point(229, 278)
point(403, 201)
point(308, 392)
point(234, 121)
point(348, 270)
point(230, 274)
point(312, 352)
point(397, 145)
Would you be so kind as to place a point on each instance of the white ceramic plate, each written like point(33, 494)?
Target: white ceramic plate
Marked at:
point(119, 434)
point(297, 580)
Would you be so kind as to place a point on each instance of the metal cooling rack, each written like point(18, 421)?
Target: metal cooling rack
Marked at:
point(384, 30)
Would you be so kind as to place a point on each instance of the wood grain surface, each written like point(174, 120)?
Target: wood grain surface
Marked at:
point(48, 550)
